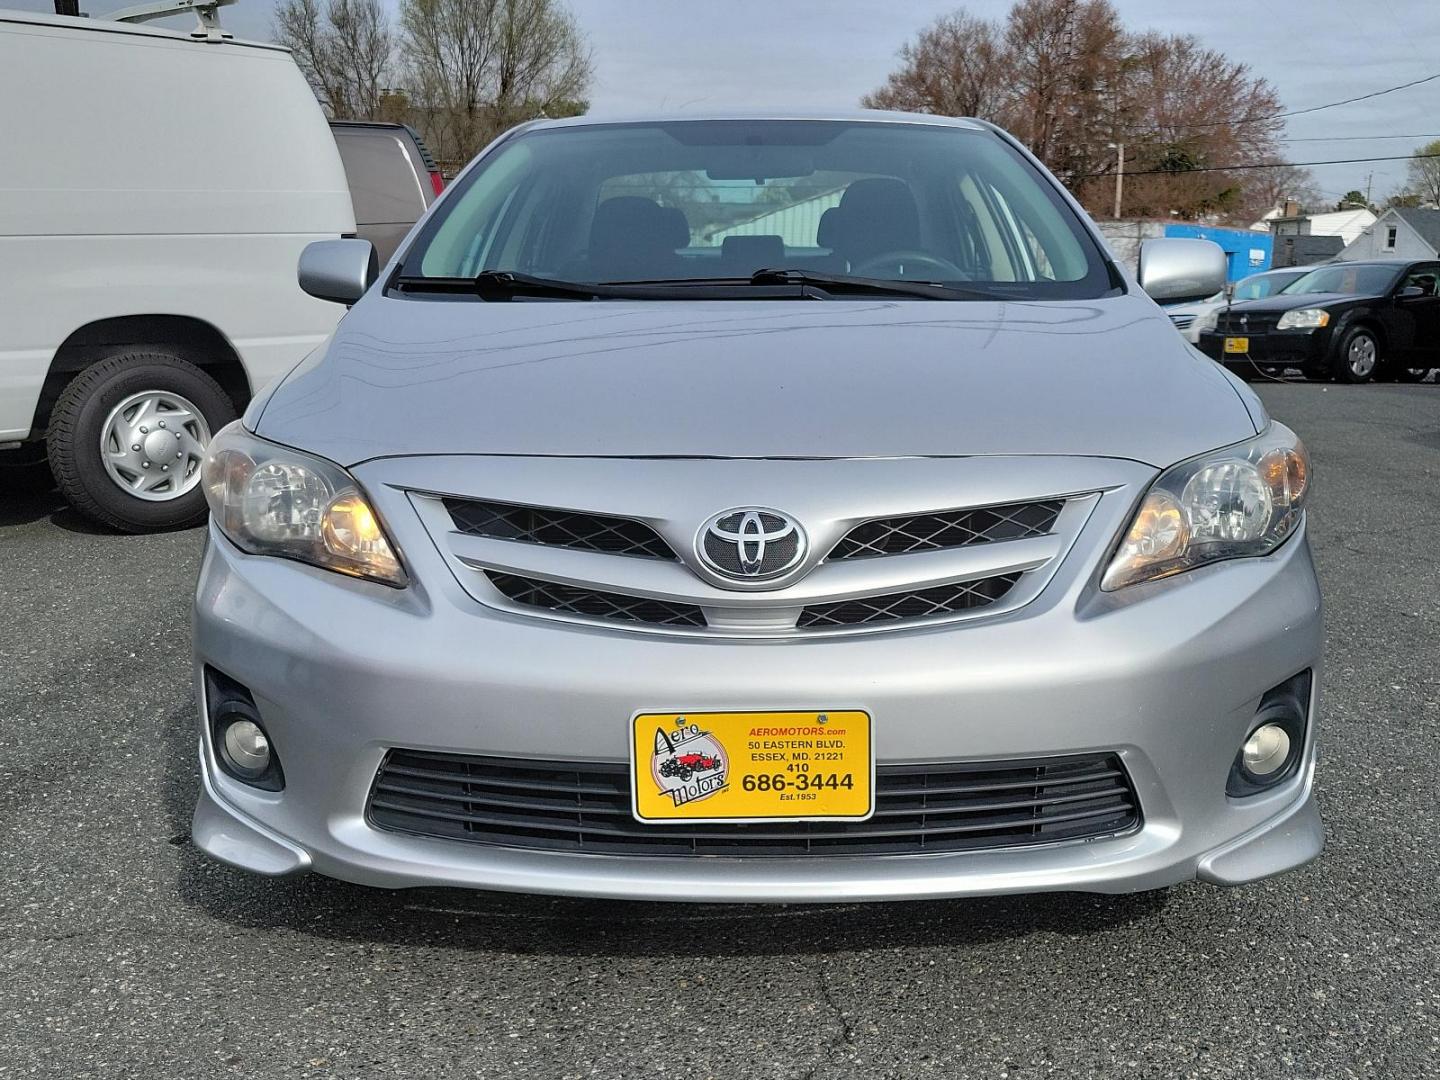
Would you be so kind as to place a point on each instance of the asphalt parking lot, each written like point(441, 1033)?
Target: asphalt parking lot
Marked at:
point(124, 953)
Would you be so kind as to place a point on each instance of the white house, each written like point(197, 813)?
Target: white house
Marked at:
point(1346, 224)
point(1398, 234)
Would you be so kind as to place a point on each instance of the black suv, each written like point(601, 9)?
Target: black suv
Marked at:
point(1355, 321)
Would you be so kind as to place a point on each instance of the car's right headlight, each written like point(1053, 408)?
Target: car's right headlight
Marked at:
point(1205, 322)
point(1238, 502)
point(1309, 318)
point(271, 500)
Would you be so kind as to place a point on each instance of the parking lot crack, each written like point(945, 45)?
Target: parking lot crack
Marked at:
point(845, 1030)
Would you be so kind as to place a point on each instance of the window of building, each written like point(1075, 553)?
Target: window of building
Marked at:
point(1390, 234)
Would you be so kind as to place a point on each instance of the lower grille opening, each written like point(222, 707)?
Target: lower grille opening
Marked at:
point(571, 600)
point(920, 604)
point(585, 807)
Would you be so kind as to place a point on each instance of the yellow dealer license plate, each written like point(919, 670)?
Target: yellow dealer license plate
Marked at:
point(752, 766)
point(1237, 344)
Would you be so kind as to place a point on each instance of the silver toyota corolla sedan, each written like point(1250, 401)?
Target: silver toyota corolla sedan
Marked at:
point(758, 509)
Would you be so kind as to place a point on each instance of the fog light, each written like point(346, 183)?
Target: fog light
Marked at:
point(1271, 752)
point(1266, 750)
point(246, 748)
point(243, 750)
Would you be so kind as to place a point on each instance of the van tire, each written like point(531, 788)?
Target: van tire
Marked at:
point(73, 439)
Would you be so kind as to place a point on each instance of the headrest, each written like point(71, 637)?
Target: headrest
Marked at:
point(753, 252)
point(634, 221)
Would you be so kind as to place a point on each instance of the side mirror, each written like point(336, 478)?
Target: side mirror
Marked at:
point(338, 270)
point(1410, 291)
point(1173, 270)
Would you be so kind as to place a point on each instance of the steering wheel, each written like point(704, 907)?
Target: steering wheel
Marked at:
point(901, 262)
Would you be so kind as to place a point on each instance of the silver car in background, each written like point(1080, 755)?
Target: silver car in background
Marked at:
point(742, 508)
point(1193, 319)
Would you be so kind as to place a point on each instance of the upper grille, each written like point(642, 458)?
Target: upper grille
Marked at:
point(921, 604)
point(951, 528)
point(570, 600)
point(1182, 322)
point(1229, 322)
point(557, 528)
point(585, 807)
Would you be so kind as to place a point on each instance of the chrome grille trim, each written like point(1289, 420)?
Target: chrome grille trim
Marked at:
point(623, 587)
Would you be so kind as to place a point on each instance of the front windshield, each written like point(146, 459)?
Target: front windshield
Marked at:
point(1259, 286)
point(705, 200)
point(1354, 279)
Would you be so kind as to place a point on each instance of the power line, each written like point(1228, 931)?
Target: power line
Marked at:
point(1319, 108)
point(1357, 138)
point(1261, 165)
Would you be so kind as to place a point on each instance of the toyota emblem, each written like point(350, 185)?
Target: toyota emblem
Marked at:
point(751, 543)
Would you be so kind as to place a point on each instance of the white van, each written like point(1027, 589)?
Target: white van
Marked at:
point(156, 190)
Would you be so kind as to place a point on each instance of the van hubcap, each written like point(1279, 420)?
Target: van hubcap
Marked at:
point(1362, 356)
point(153, 444)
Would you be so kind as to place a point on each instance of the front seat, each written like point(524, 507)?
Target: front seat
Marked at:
point(874, 216)
point(634, 238)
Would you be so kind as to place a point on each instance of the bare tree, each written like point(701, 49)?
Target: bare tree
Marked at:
point(1422, 174)
point(343, 47)
point(1073, 83)
point(476, 67)
point(1272, 188)
point(956, 67)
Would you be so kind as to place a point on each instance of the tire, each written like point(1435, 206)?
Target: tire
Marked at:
point(102, 401)
point(25, 471)
point(1358, 357)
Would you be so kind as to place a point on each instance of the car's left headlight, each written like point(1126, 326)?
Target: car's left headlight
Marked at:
point(1235, 503)
point(1305, 318)
point(271, 500)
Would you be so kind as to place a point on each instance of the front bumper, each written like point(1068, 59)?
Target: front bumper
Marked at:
point(1289, 348)
point(1168, 675)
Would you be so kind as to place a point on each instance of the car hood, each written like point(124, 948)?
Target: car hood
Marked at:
point(751, 378)
point(1288, 302)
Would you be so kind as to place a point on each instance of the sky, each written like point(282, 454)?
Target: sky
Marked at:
point(676, 54)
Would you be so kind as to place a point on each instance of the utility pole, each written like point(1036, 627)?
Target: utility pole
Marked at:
point(1368, 179)
point(1119, 176)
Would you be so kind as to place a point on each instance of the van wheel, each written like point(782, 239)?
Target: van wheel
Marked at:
point(1358, 357)
point(127, 440)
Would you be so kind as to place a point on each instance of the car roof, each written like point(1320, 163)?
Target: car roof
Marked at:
point(109, 26)
point(843, 114)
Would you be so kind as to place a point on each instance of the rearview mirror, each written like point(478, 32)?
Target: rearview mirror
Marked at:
point(1174, 270)
point(338, 270)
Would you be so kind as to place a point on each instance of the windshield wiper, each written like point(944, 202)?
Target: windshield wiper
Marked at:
point(503, 284)
point(851, 283)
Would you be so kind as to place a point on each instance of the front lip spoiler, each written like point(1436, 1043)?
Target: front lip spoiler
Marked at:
point(1290, 839)
point(236, 839)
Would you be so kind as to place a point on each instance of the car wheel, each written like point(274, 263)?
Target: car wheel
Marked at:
point(1358, 356)
point(25, 470)
point(127, 439)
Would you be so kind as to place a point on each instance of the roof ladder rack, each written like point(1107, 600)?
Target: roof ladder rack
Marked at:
point(207, 11)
